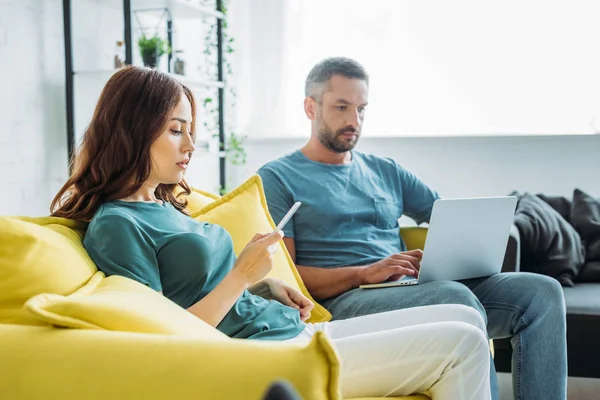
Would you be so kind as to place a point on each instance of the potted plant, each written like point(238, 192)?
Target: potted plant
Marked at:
point(151, 49)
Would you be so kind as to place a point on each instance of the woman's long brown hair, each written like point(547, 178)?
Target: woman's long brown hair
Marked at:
point(114, 160)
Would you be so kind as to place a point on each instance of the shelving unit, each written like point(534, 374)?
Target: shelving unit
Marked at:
point(179, 9)
point(190, 82)
point(175, 9)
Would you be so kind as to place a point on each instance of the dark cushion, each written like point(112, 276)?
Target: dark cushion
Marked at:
point(560, 204)
point(585, 217)
point(549, 244)
point(590, 272)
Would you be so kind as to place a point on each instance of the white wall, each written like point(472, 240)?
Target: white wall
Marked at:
point(437, 67)
point(33, 155)
point(33, 160)
point(474, 166)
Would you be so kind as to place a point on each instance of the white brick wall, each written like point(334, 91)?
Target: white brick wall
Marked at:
point(33, 160)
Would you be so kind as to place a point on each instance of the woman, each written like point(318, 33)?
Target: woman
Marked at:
point(133, 155)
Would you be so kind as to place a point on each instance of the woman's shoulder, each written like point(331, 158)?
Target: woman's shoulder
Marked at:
point(111, 216)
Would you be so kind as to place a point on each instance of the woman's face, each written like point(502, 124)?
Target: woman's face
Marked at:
point(172, 150)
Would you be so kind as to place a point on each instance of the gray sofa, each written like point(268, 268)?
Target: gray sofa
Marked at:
point(583, 322)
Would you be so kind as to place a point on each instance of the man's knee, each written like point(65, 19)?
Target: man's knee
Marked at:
point(544, 286)
point(542, 289)
point(450, 292)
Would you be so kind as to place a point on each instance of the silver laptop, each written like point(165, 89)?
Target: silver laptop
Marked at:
point(466, 239)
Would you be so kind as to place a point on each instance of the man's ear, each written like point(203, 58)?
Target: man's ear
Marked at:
point(310, 108)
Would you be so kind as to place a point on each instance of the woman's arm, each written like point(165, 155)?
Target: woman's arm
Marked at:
point(278, 290)
point(214, 306)
point(253, 263)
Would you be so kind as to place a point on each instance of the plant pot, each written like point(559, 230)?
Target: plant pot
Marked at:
point(150, 60)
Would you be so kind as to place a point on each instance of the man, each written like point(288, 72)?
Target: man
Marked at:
point(346, 234)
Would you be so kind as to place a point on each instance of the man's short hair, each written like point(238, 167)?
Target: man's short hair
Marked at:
point(329, 67)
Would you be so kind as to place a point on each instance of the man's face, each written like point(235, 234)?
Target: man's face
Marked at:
point(340, 113)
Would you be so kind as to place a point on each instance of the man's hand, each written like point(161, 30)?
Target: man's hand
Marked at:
point(290, 297)
point(392, 268)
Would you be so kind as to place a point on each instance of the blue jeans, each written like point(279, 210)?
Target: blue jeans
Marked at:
point(528, 308)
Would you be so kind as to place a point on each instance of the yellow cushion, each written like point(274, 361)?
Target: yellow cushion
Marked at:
point(119, 304)
point(414, 237)
point(243, 213)
point(198, 199)
point(39, 255)
point(411, 397)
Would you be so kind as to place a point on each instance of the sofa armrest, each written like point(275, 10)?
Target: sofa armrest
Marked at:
point(46, 362)
point(512, 257)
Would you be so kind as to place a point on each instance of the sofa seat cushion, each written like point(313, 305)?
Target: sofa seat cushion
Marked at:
point(583, 299)
point(120, 304)
point(39, 255)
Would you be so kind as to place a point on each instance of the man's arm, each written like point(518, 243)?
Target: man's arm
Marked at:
point(417, 197)
point(323, 283)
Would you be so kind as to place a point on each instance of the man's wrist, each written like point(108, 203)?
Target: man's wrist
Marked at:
point(358, 275)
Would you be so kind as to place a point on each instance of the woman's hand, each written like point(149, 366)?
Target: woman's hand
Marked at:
point(290, 297)
point(256, 260)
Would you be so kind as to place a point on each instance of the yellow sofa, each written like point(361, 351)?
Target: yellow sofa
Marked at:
point(43, 266)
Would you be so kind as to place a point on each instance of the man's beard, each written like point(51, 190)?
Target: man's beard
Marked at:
point(334, 141)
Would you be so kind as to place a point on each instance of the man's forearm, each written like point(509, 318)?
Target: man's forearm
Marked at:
point(323, 283)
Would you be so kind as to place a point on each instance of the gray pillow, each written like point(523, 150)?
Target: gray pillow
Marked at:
point(585, 217)
point(549, 244)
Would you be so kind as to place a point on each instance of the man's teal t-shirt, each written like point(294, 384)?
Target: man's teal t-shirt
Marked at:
point(349, 213)
point(185, 259)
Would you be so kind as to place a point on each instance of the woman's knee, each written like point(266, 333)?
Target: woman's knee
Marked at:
point(466, 314)
point(472, 339)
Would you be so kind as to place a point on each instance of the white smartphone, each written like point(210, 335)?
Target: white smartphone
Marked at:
point(287, 216)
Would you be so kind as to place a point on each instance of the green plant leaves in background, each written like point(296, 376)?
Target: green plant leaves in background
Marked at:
point(154, 45)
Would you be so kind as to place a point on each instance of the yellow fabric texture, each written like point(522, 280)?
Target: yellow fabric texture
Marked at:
point(243, 213)
point(39, 255)
point(49, 363)
point(413, 397)
point(198, 199)
point(120, 304)
point(414, 237)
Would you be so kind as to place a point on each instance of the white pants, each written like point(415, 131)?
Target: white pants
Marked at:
point(440, 350)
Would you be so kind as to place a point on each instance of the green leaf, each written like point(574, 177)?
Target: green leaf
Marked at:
point(154, 45)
